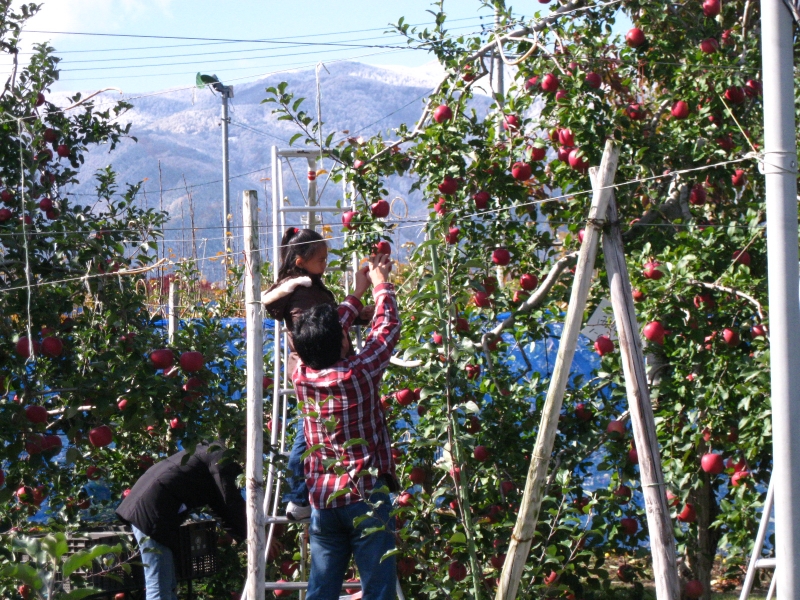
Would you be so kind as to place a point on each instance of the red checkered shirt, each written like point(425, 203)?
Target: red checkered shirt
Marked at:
point(349, 393)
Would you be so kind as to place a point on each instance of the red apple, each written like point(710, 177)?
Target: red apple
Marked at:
point(162, 359)
point(583, 413)
point(462, 325)
point(442, 113)
point(472, 425)
point(693, 588)
point(727, 38)
point(528, 282)
point(638, 295)
point(122, 404)
point(405, 499)
point(635, 37)
point(577, 160)
point(191, 362)
point(623, 494)
point(551, 578)
point(383, 247)
point(34, 444)
point(615, 430)
point(635, 112)
point(457, 571)
point(417, 475)
point(52, 347)
point(561, 94)
point(45, 204)
point(738, 476)
point(176, 423)
point(405, 397)
point(22, 347)
point(654, 332)
point(537, 153)
point(449, 185)
point(507, 487)
point(520, 296)
point(347, 218)
point(566, 137)
point(758, 331)
point(452, 235)
point(2, 478)
point(709, 46)
point(711, 8)
point(62, 150)
point(736, 466)
point(712, 463)
point(498, 561)
point(405, 566)
point(501, 256)
point(93, 473)
point(593, 80)
point(521, 171)
point(481, 453)
point(5, 215)
point(531, 84)
point(626, 574)
point(688, 514)
point(481, 200)
point(731, 337)
point(40, 99)
point(651, 271)
point(380, 209)
point(752, 88)
point(481, 299)
point(36, 414)
point(511, 122)
point(437, 338)
point(697, 195)
point(550, 83)
point(563, 154)
point(680, 110)
point(440, 207)
point(603, 345)
point(472, 371)
point(101, 436)
point(739, 178)
point(633, 456)
point(734, 95)
point(629, 526)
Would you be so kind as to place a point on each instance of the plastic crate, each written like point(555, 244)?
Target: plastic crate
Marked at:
point(111, 576)
point(198, 555)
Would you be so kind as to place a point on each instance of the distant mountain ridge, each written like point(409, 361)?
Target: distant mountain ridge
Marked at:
point(181, 129)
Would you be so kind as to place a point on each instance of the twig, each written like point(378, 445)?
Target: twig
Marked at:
point(92, 95)
point(735, 292)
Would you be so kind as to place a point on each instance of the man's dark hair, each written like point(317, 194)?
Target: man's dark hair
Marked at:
point(317, 336)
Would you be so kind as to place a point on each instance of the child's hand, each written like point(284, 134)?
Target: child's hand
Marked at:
point(367, 313)
point(379, 267)
point(362, 281)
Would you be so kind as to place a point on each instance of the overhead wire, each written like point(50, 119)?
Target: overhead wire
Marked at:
point(424, 222)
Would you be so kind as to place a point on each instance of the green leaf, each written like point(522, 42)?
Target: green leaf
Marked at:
point(294, 138)
point(336, 494)
point(355, 442)
point(80, 593)
point(458, 538)
point(85, 557)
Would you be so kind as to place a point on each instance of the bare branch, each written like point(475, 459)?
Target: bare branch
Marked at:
point(735, 292)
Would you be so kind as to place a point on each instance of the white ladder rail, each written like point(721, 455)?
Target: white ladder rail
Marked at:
point(756, 562)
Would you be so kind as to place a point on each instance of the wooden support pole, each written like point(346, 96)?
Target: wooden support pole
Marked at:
point(528, 516)
point(256, 542)
point(172, 317)
point(659, 523)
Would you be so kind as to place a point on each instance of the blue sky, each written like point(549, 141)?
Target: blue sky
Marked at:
point(139, 64)
point(152, 64)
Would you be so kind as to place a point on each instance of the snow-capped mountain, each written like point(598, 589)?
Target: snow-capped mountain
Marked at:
point(180, 130)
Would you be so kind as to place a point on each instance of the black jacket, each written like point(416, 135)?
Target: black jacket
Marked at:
point(155, 502)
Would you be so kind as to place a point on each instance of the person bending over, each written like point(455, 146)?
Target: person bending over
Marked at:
point(339, 395)
point(162, 498)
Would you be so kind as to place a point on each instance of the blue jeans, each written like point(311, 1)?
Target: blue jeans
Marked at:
point(295, 475)
point(334, 539)
point(159, 568)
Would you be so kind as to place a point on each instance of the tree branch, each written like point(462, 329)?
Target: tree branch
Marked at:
point(735, 292)
point(535, 300)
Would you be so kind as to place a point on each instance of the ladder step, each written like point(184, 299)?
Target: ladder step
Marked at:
point(283, 520)
point(766, 563)
point(302, 585)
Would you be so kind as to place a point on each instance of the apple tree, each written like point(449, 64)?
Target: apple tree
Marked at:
point(508, 194)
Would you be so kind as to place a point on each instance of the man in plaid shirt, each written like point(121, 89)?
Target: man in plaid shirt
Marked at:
point(350, 468)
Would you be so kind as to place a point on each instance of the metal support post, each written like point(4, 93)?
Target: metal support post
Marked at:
point(780, 170)
point(226, 92)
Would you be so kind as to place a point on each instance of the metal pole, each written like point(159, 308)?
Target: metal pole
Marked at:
point(780, 170)
point(226, 184)
point(172, 322)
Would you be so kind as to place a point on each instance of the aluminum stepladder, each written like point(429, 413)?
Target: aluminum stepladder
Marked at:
point(756, 561)
point(283, 389)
